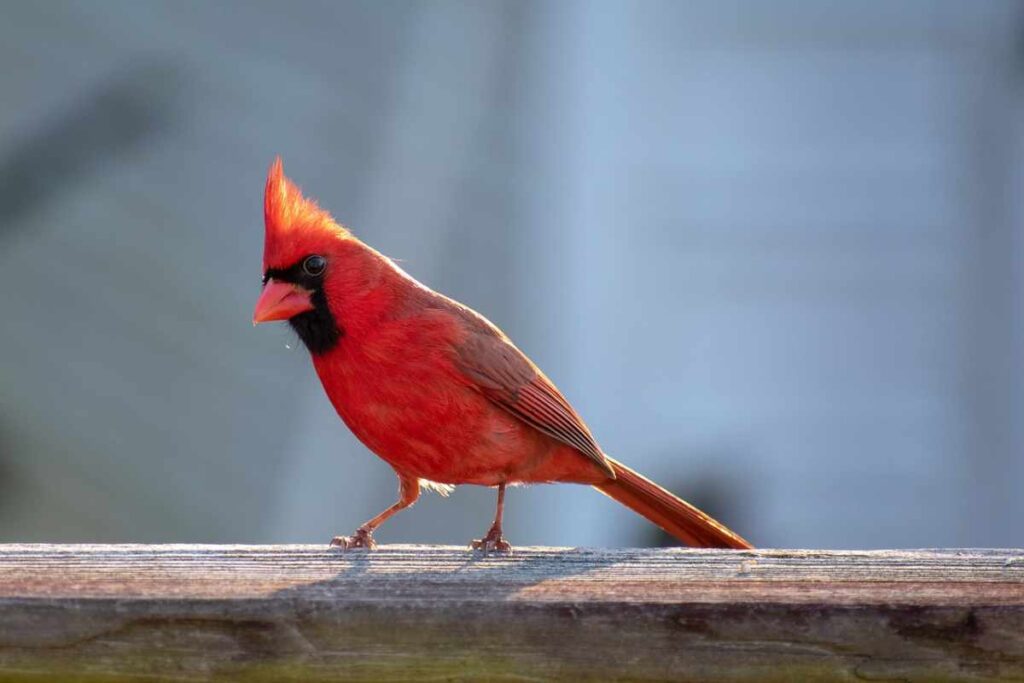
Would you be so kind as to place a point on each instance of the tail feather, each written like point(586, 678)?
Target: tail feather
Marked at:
point(673, 514)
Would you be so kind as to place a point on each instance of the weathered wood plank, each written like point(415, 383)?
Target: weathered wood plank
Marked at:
point(412, 612)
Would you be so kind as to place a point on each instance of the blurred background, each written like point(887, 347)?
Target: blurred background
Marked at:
point(771, 251)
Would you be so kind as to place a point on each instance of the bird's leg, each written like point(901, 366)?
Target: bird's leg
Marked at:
point(408, 492)
point(494, 541)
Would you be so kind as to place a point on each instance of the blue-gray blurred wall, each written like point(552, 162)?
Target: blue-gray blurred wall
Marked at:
point(771, 251)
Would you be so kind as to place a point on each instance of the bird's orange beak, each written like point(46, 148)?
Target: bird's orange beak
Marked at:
point(280, 301)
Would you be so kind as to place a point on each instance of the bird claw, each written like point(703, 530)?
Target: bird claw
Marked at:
point(493, 542)
point(360, 539)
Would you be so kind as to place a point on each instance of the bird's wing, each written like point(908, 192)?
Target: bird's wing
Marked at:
point(504, 374)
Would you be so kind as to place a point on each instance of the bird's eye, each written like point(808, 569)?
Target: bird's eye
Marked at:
point(314, 265)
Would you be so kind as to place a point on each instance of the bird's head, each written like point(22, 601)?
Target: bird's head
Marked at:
point(303, 245)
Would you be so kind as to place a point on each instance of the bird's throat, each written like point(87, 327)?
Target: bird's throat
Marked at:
point(318, 329)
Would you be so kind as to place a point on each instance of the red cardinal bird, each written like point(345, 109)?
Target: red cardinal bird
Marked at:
point(431, 386)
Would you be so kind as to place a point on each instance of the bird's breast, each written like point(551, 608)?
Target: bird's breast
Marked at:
point(403, 397)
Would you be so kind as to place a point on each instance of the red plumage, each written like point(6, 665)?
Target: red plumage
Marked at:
point(431, 386)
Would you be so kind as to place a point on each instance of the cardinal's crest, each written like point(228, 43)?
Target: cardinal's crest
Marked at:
point(295, 225)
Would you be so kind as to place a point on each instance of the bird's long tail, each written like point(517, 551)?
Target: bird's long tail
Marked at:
point(673, 514)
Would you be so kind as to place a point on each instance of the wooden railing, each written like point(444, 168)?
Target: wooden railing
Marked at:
point(136, 612)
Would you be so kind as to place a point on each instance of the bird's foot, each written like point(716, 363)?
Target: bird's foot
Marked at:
point(493, 542)
point(362, 538)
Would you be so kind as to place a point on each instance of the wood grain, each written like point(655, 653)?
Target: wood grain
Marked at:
point(178, 612)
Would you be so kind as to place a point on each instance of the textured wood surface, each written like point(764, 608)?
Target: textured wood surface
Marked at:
point(422, 612)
